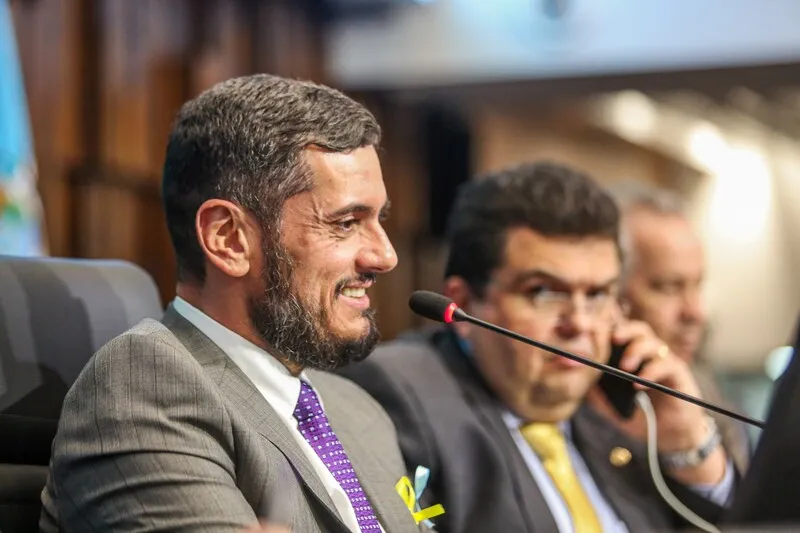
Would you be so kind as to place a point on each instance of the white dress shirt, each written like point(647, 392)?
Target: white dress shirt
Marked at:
point(278, 387)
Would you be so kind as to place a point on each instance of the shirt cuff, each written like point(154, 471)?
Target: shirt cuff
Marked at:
point(720, 493)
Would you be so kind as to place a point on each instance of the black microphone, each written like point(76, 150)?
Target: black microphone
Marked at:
point(442, 309)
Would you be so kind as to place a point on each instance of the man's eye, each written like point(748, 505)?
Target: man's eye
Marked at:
point(543, 293)
point(533, 292)
point(598, 294)
point(666, 287)
point(347, 225)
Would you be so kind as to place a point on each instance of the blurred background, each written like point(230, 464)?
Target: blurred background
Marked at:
point(699, 97)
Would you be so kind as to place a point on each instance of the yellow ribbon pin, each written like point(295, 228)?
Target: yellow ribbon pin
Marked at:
point(406, 491)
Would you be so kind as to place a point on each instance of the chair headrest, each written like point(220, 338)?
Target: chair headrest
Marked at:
point(54, 314)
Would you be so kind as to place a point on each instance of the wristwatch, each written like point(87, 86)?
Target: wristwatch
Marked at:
point(690, 458)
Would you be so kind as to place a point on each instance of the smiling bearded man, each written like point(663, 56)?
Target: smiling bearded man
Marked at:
point(221, 414)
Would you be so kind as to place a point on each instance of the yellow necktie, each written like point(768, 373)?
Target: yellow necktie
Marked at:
point(548, 443)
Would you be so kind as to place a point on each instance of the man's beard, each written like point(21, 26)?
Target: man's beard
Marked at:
point(298, 334)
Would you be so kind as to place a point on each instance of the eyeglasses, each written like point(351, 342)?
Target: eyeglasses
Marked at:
point(557, 303)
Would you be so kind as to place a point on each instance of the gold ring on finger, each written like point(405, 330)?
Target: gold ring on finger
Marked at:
point(663, 351)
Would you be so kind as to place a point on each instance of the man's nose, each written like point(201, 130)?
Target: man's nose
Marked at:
point(379, 255)
point(692, 309)
point(577, 317)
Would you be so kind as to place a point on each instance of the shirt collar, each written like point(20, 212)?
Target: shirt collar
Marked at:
point(272, 379)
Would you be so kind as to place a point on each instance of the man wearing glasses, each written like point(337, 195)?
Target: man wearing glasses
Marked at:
point(502, 426)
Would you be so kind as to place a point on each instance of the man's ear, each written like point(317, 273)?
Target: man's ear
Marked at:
point(457, 289)
point(225, 236)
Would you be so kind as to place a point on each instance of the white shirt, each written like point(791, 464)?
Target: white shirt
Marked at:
point(278, 387)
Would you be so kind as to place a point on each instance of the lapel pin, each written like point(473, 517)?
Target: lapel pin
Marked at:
point(620, 456)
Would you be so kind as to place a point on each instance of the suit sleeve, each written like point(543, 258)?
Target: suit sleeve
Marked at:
point(707, 509)
point(144, 445)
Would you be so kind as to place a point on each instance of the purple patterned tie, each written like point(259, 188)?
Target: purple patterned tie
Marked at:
point(314, 426)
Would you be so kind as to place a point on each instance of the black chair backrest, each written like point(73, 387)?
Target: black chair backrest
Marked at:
point(54, 314)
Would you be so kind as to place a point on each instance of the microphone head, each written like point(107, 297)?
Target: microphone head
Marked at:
point(434, 306)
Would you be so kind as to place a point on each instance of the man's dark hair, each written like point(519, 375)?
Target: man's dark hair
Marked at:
point(242, 141)
point(548, 198)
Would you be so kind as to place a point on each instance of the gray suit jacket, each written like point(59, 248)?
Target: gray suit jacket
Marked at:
point(163, 432)
point(449, 421)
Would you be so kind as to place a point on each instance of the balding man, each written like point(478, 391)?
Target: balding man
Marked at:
point(662, 285)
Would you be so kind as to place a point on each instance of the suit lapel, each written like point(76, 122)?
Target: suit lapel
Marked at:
point(489, 411)
point(249, 402)
point(627, 488)
point(375, 477)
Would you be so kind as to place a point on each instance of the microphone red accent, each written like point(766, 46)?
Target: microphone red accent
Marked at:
point(448, 313)
point(435, 307)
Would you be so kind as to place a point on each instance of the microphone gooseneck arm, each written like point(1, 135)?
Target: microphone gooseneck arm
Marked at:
point(462, 316)
point(442, 309)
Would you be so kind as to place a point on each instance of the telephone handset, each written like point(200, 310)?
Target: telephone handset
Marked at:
point(619, 392)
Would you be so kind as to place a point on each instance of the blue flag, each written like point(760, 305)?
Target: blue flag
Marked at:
point(20, 206)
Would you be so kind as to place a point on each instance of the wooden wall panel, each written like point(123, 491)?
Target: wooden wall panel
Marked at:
point(104, 80)
point(406, 186)
point(287, 41)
